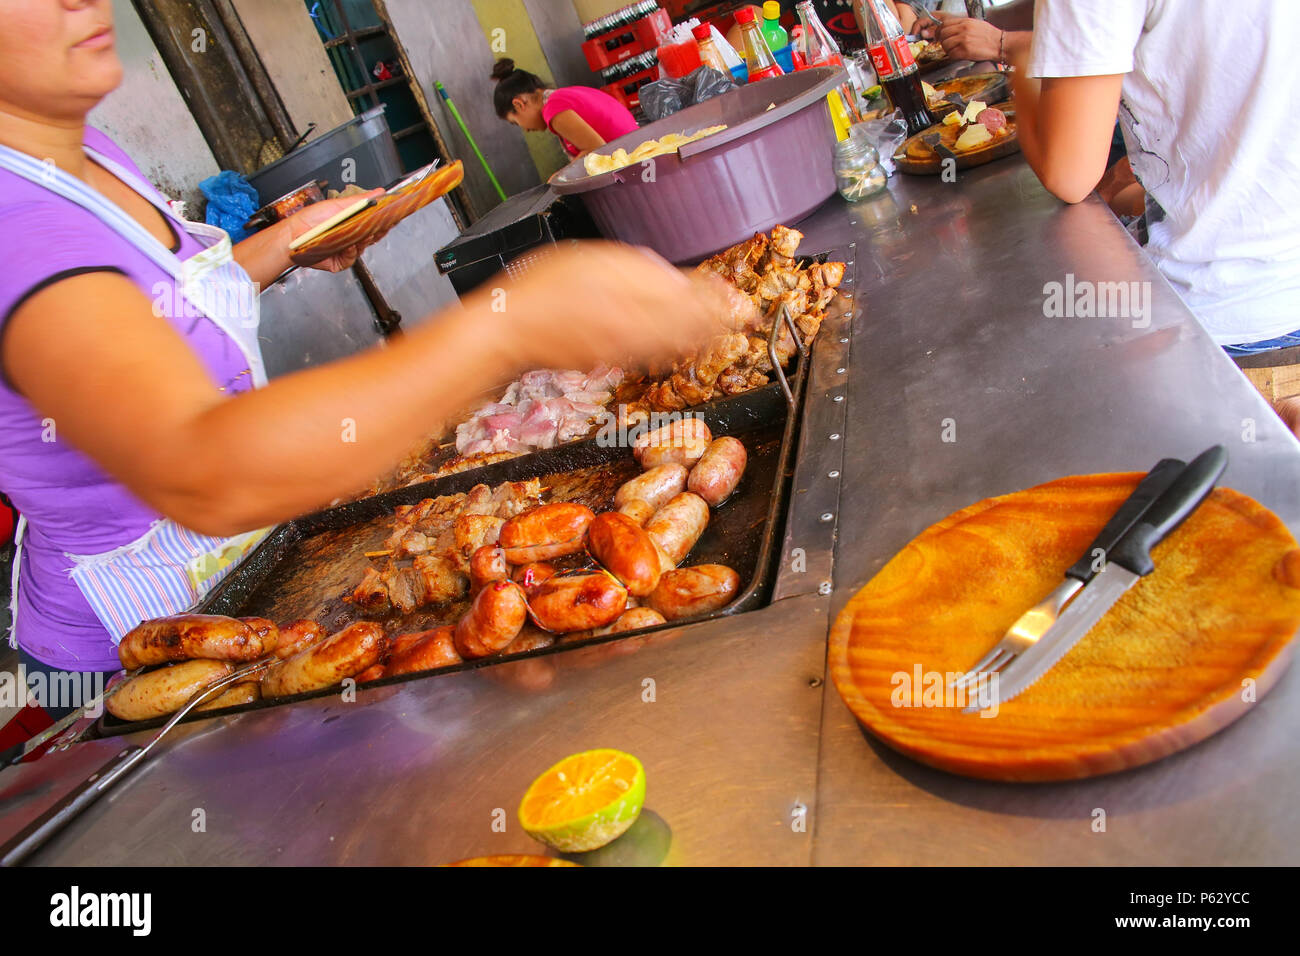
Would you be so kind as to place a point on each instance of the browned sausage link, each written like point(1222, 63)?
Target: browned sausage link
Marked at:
point(373, 672)
point(687, 592)
point(683, 451)
point(678, 525)
point(633, 619)
point(492, 621)
point(625, 551)
point(531, 638)
point(349, 652)
point(577, 603)
point(683, 434)
point(297, 635)
point(654, 487)
point(164, 690)
point(266, 630)
point(545, 532)
point(429, 651)
point(487, 564)
point(638, 510)
point(716, 475)
point(531, 575)
point(187, 636)
point(245, 692)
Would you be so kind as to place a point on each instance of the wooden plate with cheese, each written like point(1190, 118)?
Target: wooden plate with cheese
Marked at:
point(1191, 648)
point(959, 138)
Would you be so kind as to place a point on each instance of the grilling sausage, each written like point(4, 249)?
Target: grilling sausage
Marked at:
point(346, 654)
point(164, 690)
point(687, 592)
point(716, 475)
point(638, 510)
point(625, 551)
point(545, 532)
point(428, 651)
point(245, 692)
point(631, 620)
point(486, 565)
point(682, 442)
point(577, 602)
point(266, 630)
point(528, 576)
point(655, 486)
point(678, 525)
point(296, 635)
point(492, 621)
point(187, 636)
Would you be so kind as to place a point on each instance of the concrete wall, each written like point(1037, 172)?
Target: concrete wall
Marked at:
point(147, 117)
point(291, 51)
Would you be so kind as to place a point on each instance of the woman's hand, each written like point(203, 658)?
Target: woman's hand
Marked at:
point(600, 302)
point(311, 216)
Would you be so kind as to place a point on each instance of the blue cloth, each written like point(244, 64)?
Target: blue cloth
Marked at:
point(1264, 345)
point(231, 202)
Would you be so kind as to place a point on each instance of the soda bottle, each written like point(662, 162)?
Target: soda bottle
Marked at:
point(758, 57)
point(778, 41)
point(895, 67)
point(819, 47)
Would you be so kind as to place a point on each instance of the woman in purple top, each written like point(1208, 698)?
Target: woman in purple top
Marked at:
point(136, 441)
point(583, 118)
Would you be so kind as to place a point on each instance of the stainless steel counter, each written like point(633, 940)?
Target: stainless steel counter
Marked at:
point(751, 757)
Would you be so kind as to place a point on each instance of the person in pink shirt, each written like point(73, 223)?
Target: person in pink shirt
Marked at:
point(583, 118)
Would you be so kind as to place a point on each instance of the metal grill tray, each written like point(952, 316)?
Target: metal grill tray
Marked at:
point(306, 566)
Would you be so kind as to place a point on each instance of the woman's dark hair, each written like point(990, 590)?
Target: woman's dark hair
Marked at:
point(511, 83)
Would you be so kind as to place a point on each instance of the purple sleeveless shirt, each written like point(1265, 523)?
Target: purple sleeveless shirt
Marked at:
point(71, 505)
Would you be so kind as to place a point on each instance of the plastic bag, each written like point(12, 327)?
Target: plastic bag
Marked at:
point(665, 97)
point(886, 134)
point(231, 202)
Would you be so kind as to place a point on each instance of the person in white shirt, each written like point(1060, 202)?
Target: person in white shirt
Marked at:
point(1205, 97)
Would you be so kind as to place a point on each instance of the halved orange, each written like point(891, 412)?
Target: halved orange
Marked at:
point(585, 801)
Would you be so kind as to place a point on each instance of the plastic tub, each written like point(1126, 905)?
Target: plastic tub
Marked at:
point(365, 139)
point(769, 167)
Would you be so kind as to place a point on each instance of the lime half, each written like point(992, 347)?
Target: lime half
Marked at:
point(585, 801)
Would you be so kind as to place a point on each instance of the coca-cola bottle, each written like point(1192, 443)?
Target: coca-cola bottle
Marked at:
point(894, 64)
point(819, 47)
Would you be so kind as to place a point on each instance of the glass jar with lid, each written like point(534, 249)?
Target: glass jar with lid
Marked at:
point(858, 173)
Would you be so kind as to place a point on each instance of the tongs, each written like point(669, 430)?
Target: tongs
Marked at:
point(38, 832)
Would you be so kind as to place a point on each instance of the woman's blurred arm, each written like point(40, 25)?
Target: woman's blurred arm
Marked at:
point(577, 131)
point(133, 396)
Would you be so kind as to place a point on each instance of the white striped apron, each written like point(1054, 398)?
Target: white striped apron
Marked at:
point(169, 567)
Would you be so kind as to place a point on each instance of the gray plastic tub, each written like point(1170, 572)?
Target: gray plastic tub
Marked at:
point(769, 167)
point(364, 139)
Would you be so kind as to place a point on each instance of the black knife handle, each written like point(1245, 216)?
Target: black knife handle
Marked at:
point(1183, 497)
point(1134, 507)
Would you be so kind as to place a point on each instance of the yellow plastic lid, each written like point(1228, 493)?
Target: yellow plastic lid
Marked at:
point(772, 10)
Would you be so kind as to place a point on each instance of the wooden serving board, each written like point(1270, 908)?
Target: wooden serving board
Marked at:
point(1178, 658)
point(931, 163)
point(389, 209)
point(989, 87)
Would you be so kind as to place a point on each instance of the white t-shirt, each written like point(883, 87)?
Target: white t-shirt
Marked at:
point(1210, 117)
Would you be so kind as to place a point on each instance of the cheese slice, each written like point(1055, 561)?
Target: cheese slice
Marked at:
point(930, 92)
point(974, 135)
point(973, 109)
point(952, 119)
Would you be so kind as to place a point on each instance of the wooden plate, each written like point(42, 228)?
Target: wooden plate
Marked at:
point(388, 210)
point(1168, 666)
point(989, 87)
point(932, 164)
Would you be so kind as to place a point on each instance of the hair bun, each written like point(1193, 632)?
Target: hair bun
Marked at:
point(502, 68)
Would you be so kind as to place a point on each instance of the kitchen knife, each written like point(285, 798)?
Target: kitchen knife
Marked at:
point(18, 752)
point(1035, 622)
point(1126, 563)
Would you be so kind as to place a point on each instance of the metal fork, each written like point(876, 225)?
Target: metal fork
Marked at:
point(1023, 634)
point(923, 14)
